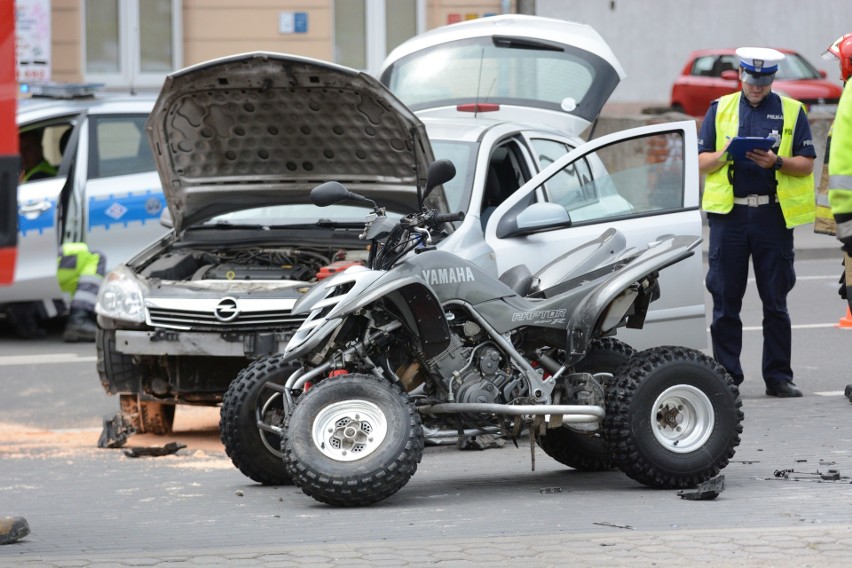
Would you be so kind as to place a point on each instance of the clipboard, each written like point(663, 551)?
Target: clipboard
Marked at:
point(741, 144)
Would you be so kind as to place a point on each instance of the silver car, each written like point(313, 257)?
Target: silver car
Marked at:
point(241, 141)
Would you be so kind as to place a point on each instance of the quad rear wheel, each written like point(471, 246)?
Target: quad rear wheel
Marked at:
point(673, 418)
point(352, 440)
point(587, 451)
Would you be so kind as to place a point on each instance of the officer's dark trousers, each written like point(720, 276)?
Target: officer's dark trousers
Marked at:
point(759, 233)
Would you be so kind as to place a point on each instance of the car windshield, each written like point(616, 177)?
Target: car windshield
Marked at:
point(794, 67)
point(495, 70)
point(295, 214)
point(463, 156)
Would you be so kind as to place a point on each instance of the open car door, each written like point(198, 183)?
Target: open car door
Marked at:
point(645, 183)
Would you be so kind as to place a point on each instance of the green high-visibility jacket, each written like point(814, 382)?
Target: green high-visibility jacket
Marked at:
point(795, 193)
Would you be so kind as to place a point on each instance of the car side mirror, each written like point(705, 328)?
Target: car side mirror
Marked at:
point(730, 75)
point(536, 218)
point(823, 73)
point(439, 172)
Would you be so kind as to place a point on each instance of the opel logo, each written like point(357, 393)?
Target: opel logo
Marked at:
point(226, 309)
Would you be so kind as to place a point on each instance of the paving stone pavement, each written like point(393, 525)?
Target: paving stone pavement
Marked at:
point(95, 508)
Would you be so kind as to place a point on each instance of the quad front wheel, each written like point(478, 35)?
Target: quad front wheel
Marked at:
point(673, 418)
point(352, 440)
point(251, 419)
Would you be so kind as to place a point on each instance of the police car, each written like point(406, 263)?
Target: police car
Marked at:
point(106, 191)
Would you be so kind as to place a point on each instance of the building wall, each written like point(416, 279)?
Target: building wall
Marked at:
point(215, 28)
point(652, 38)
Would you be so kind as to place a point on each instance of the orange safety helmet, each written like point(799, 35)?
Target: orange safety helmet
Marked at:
point(842, 50)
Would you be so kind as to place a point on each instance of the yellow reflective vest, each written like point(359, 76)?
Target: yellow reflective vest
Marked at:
point(840, 166)
point(795, 193)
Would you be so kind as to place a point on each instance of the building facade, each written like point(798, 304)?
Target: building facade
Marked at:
point(134, 44)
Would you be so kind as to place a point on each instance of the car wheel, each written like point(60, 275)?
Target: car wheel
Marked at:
point(352, 440)
point(252, 415)
point(673, 418)
point(587, 451)
point(117, 371)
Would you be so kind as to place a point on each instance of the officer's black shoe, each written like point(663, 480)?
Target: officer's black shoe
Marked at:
point(848, 392)
point(784, 389)
point(79, 327)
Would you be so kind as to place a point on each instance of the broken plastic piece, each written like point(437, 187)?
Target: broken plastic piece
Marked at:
point(116, 431)
point(831, 475)
point(706, 491)
point(550, 490)
point(170, 448)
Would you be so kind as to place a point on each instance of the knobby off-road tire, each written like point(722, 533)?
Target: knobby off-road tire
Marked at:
point(352, 440)
point(673, 418)
point(256, 452)
point(587, 451)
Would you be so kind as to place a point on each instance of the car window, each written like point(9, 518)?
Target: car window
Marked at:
point(633, 177)
point(703, 66)
point(572, 186)
point(488, 70)
point(54, 139)
point(119, 146)
point(794, 67)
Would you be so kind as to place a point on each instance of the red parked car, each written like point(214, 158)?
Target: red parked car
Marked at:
point(711, 73)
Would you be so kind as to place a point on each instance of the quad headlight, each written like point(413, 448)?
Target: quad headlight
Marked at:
point(122, 296)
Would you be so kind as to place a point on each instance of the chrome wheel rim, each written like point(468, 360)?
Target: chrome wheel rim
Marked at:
point(682, 418)
point(349, 430)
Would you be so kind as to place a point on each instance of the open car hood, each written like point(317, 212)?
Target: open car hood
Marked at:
point(263, 128)
point(513, 68)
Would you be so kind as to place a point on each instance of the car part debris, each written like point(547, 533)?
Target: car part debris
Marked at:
point(613, 525)
point(706, 491)
point(817, 476)
point(116, 431)
point(13, 529)
point(545, 490)
point(170, 448)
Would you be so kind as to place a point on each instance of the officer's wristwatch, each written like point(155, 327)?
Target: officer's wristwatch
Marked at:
point(778, 163)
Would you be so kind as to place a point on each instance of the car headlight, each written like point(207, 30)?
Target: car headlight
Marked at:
point(122, 296)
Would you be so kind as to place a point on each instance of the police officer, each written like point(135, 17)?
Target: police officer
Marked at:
point(752, 206)
point(80, 271)
point(34, 165)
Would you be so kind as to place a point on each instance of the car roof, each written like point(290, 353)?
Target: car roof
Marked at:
point(34, 109)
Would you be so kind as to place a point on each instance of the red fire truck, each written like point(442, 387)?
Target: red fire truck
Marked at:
point(8, 144)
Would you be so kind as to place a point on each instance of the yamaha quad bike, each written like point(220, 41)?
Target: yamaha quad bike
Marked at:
point(423, 338)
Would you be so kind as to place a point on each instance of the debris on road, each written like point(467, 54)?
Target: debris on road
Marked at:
point(139, 451)
point(706, 491)
point(13, 529)
point(613, 525)
point(116, 431)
